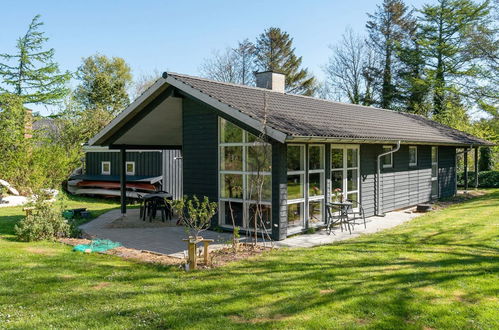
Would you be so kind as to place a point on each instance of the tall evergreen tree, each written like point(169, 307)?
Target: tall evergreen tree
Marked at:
point(413, 88)
point(386, 28)
point(103, 84)
point(34, 75)
point(275, 52)
point(445, 43)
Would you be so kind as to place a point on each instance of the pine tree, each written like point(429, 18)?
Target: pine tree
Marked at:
point(445, 43)
point(386, 28)
point(274, 52)
point(34, 75)
point(413, 88)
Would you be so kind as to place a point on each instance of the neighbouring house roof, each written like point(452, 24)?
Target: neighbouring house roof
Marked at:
point(289, 117)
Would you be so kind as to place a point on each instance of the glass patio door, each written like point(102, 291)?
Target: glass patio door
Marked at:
point(345, 172)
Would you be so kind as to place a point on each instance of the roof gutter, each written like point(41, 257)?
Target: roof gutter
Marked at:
point(318, 139)
point(379, 208)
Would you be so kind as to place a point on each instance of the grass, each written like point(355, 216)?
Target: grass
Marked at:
point(438, 271)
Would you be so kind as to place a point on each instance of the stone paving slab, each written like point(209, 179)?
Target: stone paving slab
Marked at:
point(373, 225)
point(168, 240)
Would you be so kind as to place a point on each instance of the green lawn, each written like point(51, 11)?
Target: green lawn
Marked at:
point(438, 271)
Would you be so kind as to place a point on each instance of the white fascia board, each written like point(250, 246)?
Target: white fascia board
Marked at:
point(121, 117)
point(228, 110)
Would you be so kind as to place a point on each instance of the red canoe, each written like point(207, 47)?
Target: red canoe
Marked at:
point(116, 185)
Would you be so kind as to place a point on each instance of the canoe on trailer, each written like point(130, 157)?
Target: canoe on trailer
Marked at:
point(116, 185)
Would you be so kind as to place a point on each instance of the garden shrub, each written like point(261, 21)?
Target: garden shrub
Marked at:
point(486, 179)
point(45, 222)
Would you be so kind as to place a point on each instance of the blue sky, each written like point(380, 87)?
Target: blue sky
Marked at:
point(178, 35)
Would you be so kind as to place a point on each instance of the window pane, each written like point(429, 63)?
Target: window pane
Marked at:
point(315, 212)
point(434, 170)
point(336, 179)
point(232, 213)
point(336, 185)
point(316, 157)
point(352, 180)
point(260, 213)
point(386, 160)
point(295, 186)
point(259, 158)
point(230, 132)
point(259, 187)
point(316, 184)
point(231, 186)
point(295, 215)
point(253, 138)
point(295, 158)
point(412, 155)
point(231, 158)
point(353, 197)
point(352, 157)
point(434, 188)
point(336, 158)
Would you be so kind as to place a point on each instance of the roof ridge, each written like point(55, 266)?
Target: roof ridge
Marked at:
point(279, 93)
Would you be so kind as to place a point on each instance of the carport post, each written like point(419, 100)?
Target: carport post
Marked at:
point(123, 180)
point(466, 171)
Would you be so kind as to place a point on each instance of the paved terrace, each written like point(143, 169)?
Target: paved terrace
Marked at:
point(167, 238)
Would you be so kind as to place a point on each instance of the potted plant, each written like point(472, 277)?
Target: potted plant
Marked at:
point(337, 195)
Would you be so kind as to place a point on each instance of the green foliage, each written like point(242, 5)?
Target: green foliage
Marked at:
point(445, 44)
point(486, 179)
point(45, 222)
point(274, 51)
point(34, 75)
point(194, 214)
point(387, 28)
point(103, 84)
point(485, 162)
point(438, 271)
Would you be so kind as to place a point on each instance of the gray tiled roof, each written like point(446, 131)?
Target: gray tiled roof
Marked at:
point(301, 116)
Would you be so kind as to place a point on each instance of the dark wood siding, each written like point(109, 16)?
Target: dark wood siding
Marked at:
point(172, 172)
point(200, 150)
point(447, 171)
point(402, 185)
point(146, 162)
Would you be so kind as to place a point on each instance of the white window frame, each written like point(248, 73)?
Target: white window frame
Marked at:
point(434, 178)
point(302, 200)
point(391, 157)
point(416, 158)
point(245, 173)
point(345, 170)
point(318, 198)
point(126, 168)
point(102, 171)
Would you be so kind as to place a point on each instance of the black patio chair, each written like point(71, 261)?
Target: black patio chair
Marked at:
point(356, 215)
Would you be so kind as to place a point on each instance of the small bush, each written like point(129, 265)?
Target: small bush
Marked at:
point(44, 223)
point(486, 179)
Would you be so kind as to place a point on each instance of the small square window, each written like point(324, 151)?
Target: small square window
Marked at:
point(130, 168)
point(387, 160)
point(105, 168)
point(413, 156)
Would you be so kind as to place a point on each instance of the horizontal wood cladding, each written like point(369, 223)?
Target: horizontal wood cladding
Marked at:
point(447, 171)
point(146, 163)
point(200, 150)
point(403, 185)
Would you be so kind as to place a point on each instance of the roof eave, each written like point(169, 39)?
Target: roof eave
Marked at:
point(324, 139)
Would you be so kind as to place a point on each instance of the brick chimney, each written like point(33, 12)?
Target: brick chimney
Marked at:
point(271, 80)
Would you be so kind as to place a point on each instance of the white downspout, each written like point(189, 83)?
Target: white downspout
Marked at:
point(378, 181)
